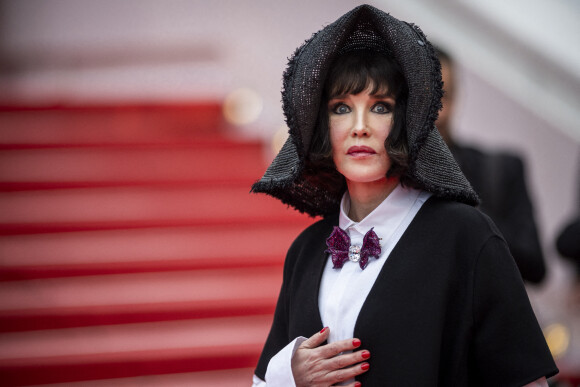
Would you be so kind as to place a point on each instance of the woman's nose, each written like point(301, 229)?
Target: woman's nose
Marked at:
point(360, 127)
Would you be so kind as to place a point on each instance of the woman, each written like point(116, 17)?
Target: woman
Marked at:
point(403, 283)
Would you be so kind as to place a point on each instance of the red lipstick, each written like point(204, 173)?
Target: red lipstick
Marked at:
point(360, 151)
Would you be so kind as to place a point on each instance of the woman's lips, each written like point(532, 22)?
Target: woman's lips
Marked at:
point(360, 151)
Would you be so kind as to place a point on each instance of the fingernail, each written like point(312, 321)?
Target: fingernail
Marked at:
point(358, 384)
point(364, 366)
point(323, 329)
point(365, 354)
point(356, 343)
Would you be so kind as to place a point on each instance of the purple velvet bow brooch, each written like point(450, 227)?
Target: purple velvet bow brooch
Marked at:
point(339, 246)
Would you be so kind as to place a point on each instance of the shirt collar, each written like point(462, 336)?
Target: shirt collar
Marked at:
point(385, 219)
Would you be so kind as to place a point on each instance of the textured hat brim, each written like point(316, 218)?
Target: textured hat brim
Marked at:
point(431, 165)
point(284, 180)
point(435, 164)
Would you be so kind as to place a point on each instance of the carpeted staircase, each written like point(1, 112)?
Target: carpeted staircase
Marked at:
point(131, 252)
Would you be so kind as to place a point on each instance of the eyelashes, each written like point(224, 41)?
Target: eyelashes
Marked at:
point(380, 107)
point(340, 108)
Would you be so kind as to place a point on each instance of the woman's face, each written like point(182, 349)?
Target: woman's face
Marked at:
point(359, 125)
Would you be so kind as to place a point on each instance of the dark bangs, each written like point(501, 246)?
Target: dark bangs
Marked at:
point(356, 71)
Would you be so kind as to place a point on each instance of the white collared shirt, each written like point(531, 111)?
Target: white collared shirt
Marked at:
point(343, 291)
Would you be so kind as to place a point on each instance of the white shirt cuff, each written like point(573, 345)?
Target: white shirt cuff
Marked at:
point(279, 372)
point(257, 382)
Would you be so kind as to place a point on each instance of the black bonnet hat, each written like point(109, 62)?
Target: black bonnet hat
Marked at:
point(431, 164)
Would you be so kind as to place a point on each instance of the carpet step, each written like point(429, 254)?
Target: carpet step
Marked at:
point(131, 251)
point(144, 250)
point(63, 167)
point(240, 377)
point(130, 350)
point(109, 123)
point(126, 298)
point(137, 207)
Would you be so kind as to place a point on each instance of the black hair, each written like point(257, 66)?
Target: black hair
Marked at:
point(352, 73)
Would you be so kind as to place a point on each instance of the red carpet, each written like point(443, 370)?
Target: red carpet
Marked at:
point(131, 252)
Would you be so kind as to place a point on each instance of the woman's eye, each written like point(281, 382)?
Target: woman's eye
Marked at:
point(340, 108)
point(382, 108)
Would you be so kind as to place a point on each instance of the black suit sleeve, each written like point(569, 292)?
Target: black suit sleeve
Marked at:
point(568, 242)
point(509, 348)
point(514, 216)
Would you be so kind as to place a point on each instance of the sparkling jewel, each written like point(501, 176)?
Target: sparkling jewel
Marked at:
point(354, 253)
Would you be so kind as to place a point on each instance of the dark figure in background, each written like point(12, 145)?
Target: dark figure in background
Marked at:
point(499, 180)
point(568, 241)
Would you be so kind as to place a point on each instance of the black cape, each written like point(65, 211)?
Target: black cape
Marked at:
point(449, 307)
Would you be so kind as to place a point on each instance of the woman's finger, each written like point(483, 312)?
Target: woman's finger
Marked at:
point(348, 373)
point(316, 339)
point(348, 359)
point(333, 349)
point(354, 384)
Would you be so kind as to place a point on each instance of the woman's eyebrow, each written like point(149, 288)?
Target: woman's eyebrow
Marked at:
point(383, 96)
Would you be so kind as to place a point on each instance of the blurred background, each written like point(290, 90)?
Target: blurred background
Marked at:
point(131, 252)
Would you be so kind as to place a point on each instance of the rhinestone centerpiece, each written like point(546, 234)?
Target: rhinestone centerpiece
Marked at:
point(339, 247)
point(354, 253)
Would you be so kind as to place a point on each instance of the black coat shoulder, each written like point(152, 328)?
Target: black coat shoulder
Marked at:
point(450, 216)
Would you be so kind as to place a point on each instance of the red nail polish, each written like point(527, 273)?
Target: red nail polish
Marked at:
point(356, 343)
point(365, 354)
point(358, 384)
point(364, 366)
point(323, 329)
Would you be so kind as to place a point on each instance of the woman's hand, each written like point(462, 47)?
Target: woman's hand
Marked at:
point(314, 364)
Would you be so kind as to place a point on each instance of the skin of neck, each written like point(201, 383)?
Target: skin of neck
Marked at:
point(365, 197)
